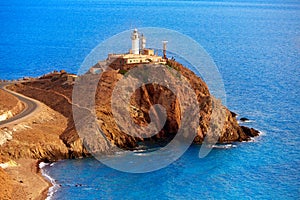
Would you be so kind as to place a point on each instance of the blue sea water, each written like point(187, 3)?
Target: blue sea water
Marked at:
point(256, 46)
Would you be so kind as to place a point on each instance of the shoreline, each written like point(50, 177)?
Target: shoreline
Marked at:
point(30, 179)
point(44, 194)
point(53, 187)
point(48, 193)
point(26, 177)
point(27, 180)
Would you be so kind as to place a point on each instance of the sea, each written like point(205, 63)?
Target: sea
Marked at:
point(254, 43)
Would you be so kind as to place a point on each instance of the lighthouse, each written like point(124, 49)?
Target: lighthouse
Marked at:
point(135, 42)
point(138, 54)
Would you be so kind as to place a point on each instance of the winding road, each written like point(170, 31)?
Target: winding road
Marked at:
point(30, 105)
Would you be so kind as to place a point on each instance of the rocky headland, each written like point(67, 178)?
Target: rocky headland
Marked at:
point(51, 135)
point(55, 91)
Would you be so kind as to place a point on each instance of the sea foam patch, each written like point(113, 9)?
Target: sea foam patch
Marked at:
point(55, 186)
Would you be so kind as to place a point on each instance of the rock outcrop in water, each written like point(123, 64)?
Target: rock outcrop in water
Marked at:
point(55, 92)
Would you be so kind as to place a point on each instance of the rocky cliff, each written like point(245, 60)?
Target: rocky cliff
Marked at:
point(35, 137)
point(54, 91)
point(9, 105)
point(150, 94)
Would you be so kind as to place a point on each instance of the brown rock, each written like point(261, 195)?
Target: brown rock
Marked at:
point(9, 104)
point(251, 132)
point(59, 97)
point(6, 188)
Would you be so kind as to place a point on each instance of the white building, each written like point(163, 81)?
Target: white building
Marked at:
point(135, 42)
point(138, 54)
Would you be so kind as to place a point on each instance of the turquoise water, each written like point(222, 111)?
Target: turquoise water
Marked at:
point(255, 44)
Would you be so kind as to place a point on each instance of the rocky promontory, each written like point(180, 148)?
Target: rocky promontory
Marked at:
point(50, 133)
point(55, 91)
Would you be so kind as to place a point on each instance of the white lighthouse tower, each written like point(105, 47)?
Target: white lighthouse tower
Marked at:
point(135, 42)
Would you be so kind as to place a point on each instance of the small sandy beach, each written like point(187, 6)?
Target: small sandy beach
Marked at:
point(26, 181)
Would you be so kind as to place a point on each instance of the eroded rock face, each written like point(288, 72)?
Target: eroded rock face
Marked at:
point(9, 105)
point(148, 95)
point(58, 95)
point(36, 137)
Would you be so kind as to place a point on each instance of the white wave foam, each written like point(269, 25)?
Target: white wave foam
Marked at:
point(223, 146)
point(52, 164)
point(54, 186)
point(120, 152)
point(42, 165)
point(262, 133)
point(141, 154)
point(139, 150)
point(246, 121)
